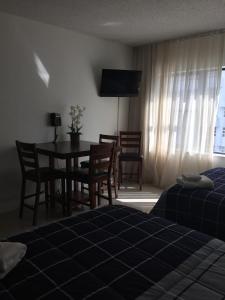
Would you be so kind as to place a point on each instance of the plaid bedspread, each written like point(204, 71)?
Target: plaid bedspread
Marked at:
point(117, 253)
point(200, 209)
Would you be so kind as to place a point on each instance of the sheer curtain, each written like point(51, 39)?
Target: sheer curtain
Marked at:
point(177, 107)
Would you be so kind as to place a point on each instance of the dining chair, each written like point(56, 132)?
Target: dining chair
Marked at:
point(130, 143)
point(99, 170)
point(106, 138)
point(31, 171)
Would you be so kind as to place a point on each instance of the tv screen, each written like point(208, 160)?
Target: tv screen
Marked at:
point(120, 83)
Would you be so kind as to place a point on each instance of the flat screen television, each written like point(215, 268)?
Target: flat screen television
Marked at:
point(120, 83)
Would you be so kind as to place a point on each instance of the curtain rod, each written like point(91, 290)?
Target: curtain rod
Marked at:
point(195, 35)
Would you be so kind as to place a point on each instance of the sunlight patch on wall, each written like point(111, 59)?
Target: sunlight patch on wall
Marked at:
point(41, 70)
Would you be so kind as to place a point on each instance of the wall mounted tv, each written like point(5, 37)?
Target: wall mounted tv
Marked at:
point(120, 83)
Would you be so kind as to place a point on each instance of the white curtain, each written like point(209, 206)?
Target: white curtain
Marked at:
point(176, 109)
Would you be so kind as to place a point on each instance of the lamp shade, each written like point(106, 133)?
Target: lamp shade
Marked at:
point(55, 119)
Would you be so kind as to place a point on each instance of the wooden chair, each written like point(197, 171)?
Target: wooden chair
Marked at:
point(103, 138)
point(130, 143)
point(99, 170)
point(31, 171)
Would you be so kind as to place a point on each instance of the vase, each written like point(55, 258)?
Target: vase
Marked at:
point(74, 138)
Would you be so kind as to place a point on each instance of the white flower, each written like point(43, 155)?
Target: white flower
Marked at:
point(76, 112)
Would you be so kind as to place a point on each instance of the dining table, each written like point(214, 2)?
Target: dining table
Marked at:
point(70, 153)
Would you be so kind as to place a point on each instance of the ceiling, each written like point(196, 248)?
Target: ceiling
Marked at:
point(133, 22)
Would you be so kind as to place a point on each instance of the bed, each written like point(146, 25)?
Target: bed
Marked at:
point(117, 252)
point(200, 209)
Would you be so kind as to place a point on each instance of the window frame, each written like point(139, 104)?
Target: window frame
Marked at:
point(215, 152)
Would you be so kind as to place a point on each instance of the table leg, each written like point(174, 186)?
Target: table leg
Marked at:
point(68, 186)
point(75, 165)
point(52, 182)
point(115, 179)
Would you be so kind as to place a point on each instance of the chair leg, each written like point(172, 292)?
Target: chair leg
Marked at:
point(140, 175)
point(99, 193)
point(92, 195)
point(138, 172)
point(46, 196)
point(109, 186)
point(115, 181)
point(23, 189)
point(82, 188)
point(36, 203)
point(120, 174)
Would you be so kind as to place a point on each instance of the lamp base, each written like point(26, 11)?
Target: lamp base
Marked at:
point(55, 136)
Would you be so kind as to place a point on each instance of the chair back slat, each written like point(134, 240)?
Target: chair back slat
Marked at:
point(130, 141)
point(106, 138)
point(130, 145)
point(133, 139)
point(101, 165)
point(29, 164)
point(101, 158)
point(28, 156)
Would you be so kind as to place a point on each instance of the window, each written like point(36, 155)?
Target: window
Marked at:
point(186, 107)
point(222, 149)
point(219, 131)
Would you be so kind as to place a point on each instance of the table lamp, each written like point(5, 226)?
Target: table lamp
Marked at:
point(55, 120)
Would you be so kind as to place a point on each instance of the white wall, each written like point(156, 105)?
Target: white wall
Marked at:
point(29, 53)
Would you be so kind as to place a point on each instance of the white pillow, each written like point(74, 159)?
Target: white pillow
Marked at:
point(10, 255)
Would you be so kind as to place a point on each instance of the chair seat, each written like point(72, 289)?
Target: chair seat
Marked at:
point(46, 174)
point(129, 156)
point(85, 164)
point(82, 175)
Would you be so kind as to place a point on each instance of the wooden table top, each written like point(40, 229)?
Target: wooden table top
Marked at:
point(65, 149)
